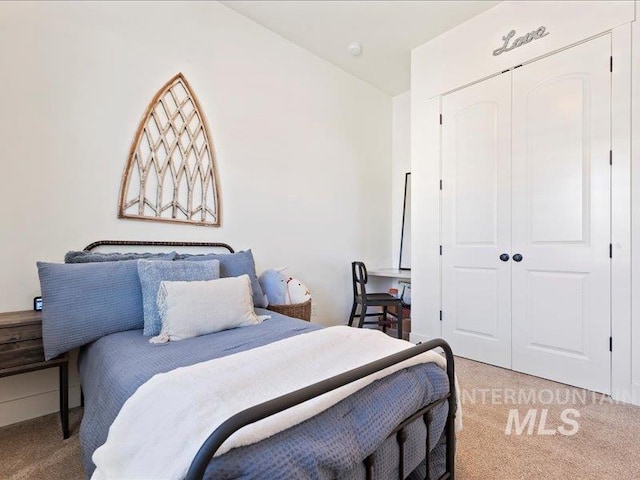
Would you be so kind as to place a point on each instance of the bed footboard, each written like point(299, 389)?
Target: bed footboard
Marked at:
point(266, 409)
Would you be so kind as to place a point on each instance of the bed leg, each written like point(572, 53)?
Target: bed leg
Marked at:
point(368, 465)
point(451, 415)
point(401, 436)
point(427, 423)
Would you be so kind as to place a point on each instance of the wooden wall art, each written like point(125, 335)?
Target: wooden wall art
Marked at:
point(171, 173)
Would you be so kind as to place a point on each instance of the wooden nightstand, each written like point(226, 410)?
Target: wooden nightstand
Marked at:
point(21, 351)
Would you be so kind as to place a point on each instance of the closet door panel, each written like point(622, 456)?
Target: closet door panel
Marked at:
point(475, 183)
point(476, 290)
point(557, 161)
point(561, 216)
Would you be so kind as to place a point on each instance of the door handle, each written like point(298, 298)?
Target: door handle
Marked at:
point(517, 257)
point(504, 257)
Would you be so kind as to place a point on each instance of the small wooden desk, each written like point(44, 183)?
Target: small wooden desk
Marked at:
point(21, 351)
point(390, 273)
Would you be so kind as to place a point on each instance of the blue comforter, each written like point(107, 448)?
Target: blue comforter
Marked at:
point(330, 445)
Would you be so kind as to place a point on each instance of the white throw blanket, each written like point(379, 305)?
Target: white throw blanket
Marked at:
point(162, 425)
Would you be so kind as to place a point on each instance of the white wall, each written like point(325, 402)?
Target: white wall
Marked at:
point(635, 216)
point(401, 164)
point(303, 148)
point(464, 55)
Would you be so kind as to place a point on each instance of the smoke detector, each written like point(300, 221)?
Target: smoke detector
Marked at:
point(354, 48)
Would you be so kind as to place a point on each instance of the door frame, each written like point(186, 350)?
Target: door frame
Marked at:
point(621, 137)
point(429, 197)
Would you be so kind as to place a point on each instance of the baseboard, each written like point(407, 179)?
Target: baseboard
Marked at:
point(635, 394)
point(416, 337)
point(32, 406)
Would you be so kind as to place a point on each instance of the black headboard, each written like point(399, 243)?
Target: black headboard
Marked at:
point(148, 243)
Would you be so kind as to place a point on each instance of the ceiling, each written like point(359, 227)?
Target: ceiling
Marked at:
point(387, 31)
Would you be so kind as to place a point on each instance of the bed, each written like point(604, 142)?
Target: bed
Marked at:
point(401, 426)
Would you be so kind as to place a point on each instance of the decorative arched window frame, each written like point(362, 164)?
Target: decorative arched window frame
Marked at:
point(172, 148)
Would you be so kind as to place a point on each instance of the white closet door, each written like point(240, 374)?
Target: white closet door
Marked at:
point(561, 216)
point(476, 224)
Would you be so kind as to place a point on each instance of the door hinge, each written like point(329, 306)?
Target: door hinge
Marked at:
point(611, 63)
point(440, 184)
point(440, 315)
point(611, 344)
point(610, 250)
point(610, 157)
point(440, 119)
point(440, 249)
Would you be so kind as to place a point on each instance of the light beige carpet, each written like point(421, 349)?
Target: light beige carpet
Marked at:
point(606, 445)
point(35, 449)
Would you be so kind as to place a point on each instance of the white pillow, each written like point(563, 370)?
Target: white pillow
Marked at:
point(190, 309)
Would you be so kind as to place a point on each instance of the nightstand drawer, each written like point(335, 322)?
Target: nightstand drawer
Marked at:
point(21, 353)
point(19, 334)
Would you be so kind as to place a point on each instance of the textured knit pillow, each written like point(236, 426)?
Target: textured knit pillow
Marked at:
point(90, 257)
point(190, 309)
point(234, 265)
point(153, 272)
point(86, 301)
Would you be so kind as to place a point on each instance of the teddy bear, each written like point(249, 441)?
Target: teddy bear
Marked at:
point(298, 291)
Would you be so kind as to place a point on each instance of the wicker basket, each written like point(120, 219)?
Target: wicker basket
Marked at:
point(297, 310)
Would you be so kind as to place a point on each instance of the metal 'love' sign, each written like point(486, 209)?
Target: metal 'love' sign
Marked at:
point(519, 41)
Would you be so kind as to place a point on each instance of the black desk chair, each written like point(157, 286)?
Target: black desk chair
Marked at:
point(366, 300)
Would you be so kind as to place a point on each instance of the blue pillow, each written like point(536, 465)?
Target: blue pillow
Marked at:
point(86, 301)
point(153, 272)
point(234, 265)
point(85, 257)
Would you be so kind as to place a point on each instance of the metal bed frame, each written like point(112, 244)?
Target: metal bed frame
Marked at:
point(266, 409)
point(259, 412)
point(151, 243)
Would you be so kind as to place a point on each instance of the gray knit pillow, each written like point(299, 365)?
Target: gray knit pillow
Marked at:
point(153, 272)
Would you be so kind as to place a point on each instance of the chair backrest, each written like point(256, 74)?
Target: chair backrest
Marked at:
point(359, 278)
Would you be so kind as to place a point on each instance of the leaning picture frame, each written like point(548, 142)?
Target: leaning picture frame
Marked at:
point(404, 262)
